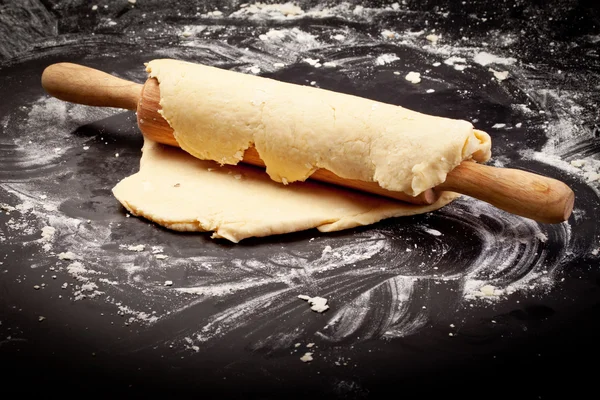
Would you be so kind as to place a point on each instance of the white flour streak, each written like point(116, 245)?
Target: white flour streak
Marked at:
point(263, 11)
point(235, 317)
point(513, 260)
point(386, 59)
point(294, 39)
point(484, 58)
point(290, 11)
point(222, 289)
point(433, 232)
point(388, 315)
point(569, 146)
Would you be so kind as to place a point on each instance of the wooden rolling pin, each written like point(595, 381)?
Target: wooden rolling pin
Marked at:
point(519, 192)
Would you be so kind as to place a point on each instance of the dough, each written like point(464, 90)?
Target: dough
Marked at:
point(183, 193)
point(217, 114)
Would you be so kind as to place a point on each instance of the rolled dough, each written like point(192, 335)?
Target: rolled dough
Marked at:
point(183, 193)
point(217, 114)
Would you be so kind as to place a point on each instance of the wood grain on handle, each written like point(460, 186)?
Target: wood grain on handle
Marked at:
point(83, 85)
point(519, 192)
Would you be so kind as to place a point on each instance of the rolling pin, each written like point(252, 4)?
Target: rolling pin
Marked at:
point(519, 192)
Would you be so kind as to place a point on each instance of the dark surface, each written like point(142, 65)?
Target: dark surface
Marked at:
point(526, 346)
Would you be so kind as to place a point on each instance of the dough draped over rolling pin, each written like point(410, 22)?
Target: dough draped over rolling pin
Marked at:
point(217, 114)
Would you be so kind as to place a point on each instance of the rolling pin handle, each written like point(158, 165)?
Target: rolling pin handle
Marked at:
point(519, 192)
point(88, 86)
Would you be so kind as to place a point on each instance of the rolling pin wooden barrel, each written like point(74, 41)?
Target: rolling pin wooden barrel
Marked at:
point(519, 192)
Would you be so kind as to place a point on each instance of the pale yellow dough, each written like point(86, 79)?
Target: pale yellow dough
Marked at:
point(183, 193)
point(217, 114)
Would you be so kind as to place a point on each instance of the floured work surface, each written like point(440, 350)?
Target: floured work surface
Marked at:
point(466, 293)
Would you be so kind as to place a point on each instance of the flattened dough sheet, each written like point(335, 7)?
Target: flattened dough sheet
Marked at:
point(183, 193)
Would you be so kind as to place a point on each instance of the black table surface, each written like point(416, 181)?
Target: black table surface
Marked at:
point(406, 318)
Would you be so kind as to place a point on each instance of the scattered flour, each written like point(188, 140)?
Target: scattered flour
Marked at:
point(6, 207)
point(387, 34)
point(261, 11)
point(485, 58)
point(499, 75)
point(459, 63)
point(485, 291)
point(48, 233)
point(312, 61)
point(69, 255)
point(433, 38)
point(318, 304)
point(413, 77)
point(433, 232)
point(223, 289)
point(386, 59)
point(294, 38)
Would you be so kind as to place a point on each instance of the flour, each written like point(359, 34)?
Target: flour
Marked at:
point(318, 304)
point(386, 59)
point(499, 75)
point(218, 290)
point(262, 11)
point(78, 271)
point(290, 11)
point(6, 207)
point(48, 234)
point(485, 58)
point(413, 77)
point(501, 260)
point(68, 255)
point(312, 61)
point(485, 291)
point(388, 34)
point(433, 38)
point(459, 63)
point(87, 288)
point(566, 138)
point(135, 315)
point(433, 232)
point(293, 38)
point(138, 247)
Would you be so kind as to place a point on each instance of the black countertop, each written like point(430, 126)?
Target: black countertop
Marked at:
point(408, 317)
